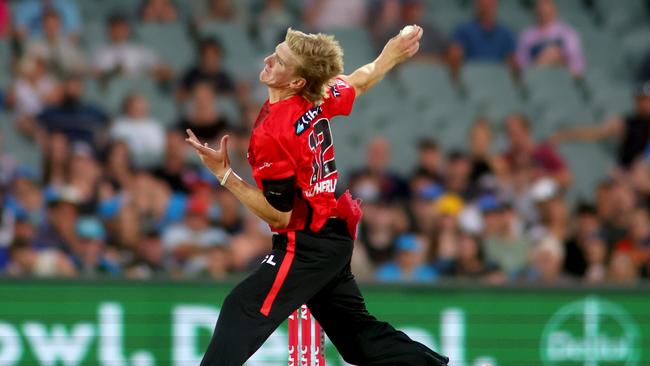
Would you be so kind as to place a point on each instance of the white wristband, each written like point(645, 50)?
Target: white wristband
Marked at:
point(225, 176)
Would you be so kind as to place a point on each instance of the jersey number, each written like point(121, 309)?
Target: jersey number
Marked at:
point(321, 136)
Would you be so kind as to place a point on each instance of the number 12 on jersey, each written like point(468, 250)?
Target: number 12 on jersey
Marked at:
point(321, 136)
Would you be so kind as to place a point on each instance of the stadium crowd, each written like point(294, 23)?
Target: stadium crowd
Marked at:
point(117, 191)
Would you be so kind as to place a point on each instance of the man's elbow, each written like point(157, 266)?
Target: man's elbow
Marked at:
point(281, 221)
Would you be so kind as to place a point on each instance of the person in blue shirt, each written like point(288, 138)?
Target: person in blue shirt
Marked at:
point(409, 264)
point(483, 38)
point(27, 17)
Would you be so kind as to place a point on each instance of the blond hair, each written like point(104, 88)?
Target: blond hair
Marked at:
point(320, 58)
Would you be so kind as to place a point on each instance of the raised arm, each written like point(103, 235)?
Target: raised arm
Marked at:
point(612, 127)
point(397, 50)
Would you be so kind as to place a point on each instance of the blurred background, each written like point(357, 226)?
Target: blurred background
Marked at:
point(511, 151)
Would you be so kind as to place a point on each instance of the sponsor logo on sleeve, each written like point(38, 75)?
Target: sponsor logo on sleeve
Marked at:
point(305, 120)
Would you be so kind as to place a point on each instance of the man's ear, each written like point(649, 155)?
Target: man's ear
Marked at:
point(298, 83)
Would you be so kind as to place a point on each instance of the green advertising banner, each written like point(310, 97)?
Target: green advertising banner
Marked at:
point(170, 323)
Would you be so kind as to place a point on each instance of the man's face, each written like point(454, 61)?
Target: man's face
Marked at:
point(517, 132)
point(51, 25)
point(486, 9)
point(279, 67)
point(545, 12)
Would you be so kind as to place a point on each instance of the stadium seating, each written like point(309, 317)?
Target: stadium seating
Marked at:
point(25, 151)
point(170, 41)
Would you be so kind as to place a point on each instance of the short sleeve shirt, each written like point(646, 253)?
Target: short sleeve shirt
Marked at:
point(292, 138)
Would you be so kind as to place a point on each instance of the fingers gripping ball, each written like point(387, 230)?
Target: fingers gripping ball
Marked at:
point(407, 30)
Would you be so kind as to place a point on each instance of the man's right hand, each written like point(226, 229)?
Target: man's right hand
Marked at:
point(403, 46)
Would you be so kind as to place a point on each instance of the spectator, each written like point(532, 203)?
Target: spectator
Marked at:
point(91, 258)
point(525, 153)
point(380, 225)
point(430, 160)
point(84, 174)
point(77, 120)
point(585, 233)
point(457, 175)
point(189, 240)
point(632, 131)
point(504, 242)
point(203, 117)
point(483, 38)
point(637, 242)
point(158, 11)
point(143, 134)
point(150, 258)
point(551, 42)
point(546, 263)
point(122, 56)
point(446, 234)
point(208, 70)
point(622, 269)
point(433, 45)
point(58, 229)
point(470, 262)
point(614, 201)
point(118, 169)
point(25, 260)
point(486, 167)
point(552, 211)
point(31, 91)
point(60, 54)
point(330, 14)
point(409, 264)
point(55, 160)
point(28, 15)
point(217, 265)
point(174, 170)
point(388, 186)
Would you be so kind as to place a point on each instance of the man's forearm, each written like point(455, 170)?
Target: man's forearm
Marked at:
point(253, 198)
point(367, 76)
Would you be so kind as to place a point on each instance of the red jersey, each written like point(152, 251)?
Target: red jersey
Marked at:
point(292, 137)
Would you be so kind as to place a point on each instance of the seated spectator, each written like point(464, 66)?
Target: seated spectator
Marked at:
point(25, 260)
point(631, 131)
point(433, 45)
point(28, 15)
point(470, 262)
point(150, 258)
point(134, 125)
point(457, 175)
point(637, 242)
point(60, 54)
point(32, 90)
point(118, 168)
point(77, 120)
point(157, 11)
point(446, 233)
point(173, 170)
point(504, 242)
point(329, 14)
point(615, 200)
point(486, 167)
point(122, 56)
point(91, 257)
point(552, 211)
point(430, 160)
point(483, 38)
point(57, 231)
point(208, 70)
point(525, 153)
point(217, 265)
point(83, 175)
point(409, 264)
point(380, 225)
point(547, 257)
point(203, 117)
point(190, 239)
point(551, 42)
point(622, 269)
point(389, 186)
point(586, 229)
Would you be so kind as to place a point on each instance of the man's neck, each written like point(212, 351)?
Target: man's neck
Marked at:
point(276, 95)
